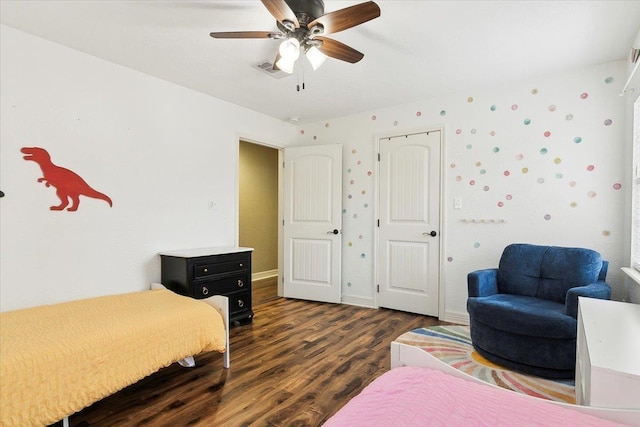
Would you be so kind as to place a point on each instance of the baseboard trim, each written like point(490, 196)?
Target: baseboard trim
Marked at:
point(264, 275)
point(454, 317)
point(358, 301)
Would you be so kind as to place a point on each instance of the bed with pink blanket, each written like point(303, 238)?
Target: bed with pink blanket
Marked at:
point(418, 396)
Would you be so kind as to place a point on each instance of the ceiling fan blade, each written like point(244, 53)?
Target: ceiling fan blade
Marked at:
point(348, 17)
point(281, 11)
point(338, 50)
point(246, 35)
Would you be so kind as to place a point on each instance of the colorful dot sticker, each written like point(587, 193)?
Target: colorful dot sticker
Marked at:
point(608, 80)
point(591, 194)
point(584, 95)
point(547, 217)
point(557, 160)
point(577, 140)
point(485, 188)
point(569, 117)
point(470, 99)
point(373, 117)
point(326, 125)
point(508, 197)
point(472, 182)
point(573, 204)
point(534, 91)
point(525, 170)
point(590, 168)
point(449, 259)
point(527, 122)
point(608, 122)
point(493, 108)
point(500, 204)
point(443, 113)
point(301, 131)
point(418, 113)
point(519, 156)
point(617, 186)
point(506, 173)
point(469, 146)
point(476, 245)
point(540, 180)
point(606, 233)
point(473, 131)
point(543, 151)
point(483, 171)
point(547, 134)
point(552, 108)
point(496, 149)
point(514, 107)
point(458, 131)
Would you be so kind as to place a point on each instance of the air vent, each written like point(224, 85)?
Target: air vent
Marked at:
point(267, 68)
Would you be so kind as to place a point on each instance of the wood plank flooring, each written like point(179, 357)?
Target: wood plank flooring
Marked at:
point(295, 365)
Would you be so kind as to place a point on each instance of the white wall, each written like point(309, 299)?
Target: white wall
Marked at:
point(556, 200)
point(160, 151)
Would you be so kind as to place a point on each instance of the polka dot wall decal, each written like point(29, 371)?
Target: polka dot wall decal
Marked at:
point(534, 91)
point(540, 180)
point(547, 134)
point(478, 164)
point(344, 211)
point(591, 194)
point(458, 131)
point(418, 113)
point(395, 123)
point(525, 170)
point(557, 160)
point(369, 173)
point(519, 156)
point(359, 162)
point(514, 107)
point(617, 186)
point(348, 284)
point(326, 125)
point(449, 259)
point(349, 196)
point(569, 117)
point(354, 151)
point(349, 170)
point(506, 173)
point(496, 149)
point(351, 182)
point(362, 255)
point(469, 146)
point(483, 171)
point(473, 131)
point(470, 99)
point(573, 204)
point(366, 205)
point(590, 168)
point(500, 204)
point(360, 237)
point(492, 133)
point(584, 95)
point(559, 175)
point(443, 113)
point(493, 108)
point(608, 122)
point(606, 233)
point(543, 151)
point(373, 117)
point(458, 178)
point(476, 245)
point(472, 182)
point(527, 122)
point(547, 217)
point(572, 184)
point(452, 165)
point(350, 243)
point(301, 131)
point(608, 80)
point(363, 192)
point(485, 188)
point(355, 215)
point(552, 108)
point(577, 140)
point(508, 197)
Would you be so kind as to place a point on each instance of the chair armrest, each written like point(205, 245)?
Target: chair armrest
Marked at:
point(482, 283)
point(598, 290)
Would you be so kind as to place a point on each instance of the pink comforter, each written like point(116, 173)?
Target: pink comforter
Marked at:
point(413, 396)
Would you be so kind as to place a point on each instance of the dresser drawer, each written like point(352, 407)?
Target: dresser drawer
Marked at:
point(203, 289)
point(217, 268)
point(239, 302)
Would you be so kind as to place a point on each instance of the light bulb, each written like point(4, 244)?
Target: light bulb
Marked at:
point(315, 57)
point(290, 49)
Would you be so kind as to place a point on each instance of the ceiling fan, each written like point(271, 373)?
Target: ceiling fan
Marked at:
point(302, 24)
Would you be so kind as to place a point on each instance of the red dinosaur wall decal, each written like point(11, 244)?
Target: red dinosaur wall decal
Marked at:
point(68, 184)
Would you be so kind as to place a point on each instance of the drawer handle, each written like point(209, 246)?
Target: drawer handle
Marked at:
point(206, 270)
point(240, 303)
point(205, 291)
point(240, 283)
point(241, 265)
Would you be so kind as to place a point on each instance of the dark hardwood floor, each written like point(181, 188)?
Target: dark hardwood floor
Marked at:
point(295, 365)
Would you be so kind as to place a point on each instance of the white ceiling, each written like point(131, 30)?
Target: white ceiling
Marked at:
point(415, 50)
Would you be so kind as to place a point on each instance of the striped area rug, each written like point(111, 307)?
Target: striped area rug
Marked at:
point(452, 345)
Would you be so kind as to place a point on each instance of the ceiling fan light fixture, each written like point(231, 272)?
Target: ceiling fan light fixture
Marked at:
point(285, 64)
point(315, 57)
point(290, 49)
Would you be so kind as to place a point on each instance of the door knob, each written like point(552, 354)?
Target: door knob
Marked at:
point(432, 234)
point(335, 231)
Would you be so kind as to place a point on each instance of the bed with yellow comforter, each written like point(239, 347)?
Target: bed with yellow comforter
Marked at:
point(57, 359)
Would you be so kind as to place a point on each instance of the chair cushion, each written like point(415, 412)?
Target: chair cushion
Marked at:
point(546, 272)
point(523, 315)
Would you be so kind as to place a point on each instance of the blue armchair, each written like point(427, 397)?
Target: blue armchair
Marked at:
point(523, 313)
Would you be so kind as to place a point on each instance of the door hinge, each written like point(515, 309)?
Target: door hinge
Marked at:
point(378, 289)
point(283, 222)
point(283, 165)
point(378, 156)
point(378, 223)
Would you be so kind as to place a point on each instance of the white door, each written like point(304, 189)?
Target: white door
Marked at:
point(313, 222)
point(409, 234)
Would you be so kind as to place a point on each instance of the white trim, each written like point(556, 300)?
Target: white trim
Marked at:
point(455, 317)
point(264, 274)
point(633, 274)
point(358, 301)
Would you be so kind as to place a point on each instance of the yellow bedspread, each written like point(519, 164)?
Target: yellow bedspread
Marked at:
point(57, 359)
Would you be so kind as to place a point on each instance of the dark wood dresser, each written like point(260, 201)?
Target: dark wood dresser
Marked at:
point(200, 273)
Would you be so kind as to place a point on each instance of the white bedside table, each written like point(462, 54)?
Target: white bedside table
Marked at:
point(608, 354)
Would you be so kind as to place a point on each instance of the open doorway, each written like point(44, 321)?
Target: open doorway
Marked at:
point(258, 216)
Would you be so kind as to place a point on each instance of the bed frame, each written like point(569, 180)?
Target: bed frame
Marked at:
point(408, 355)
